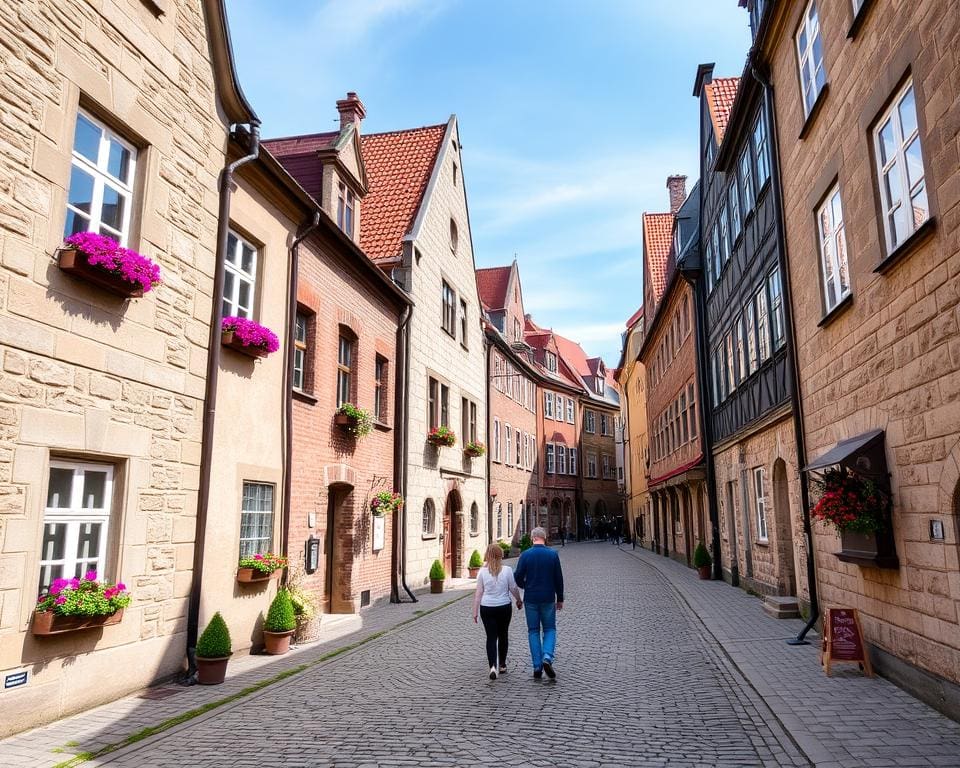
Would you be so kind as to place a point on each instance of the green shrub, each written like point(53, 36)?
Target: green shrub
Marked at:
point(505, 546)
point(475, 560)
point(214, 642)
point(701, 558)
point(436, 571)
point(525, 542)
point(281, 617)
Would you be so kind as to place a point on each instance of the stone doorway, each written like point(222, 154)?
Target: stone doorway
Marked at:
point(786, 578)
point(451, 534)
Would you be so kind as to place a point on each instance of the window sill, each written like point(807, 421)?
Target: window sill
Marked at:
point(859, 19)
point(306, 397)
point(765, 543)
point(814, 111)
point(427, 536)
point(908, 246)
point(382, 426)
point(838, 310)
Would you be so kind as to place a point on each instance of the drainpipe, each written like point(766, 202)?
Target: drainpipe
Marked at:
point(302, 233)
point(210, 393)
point(401, 453)
point(489, 503)
point(770, 109)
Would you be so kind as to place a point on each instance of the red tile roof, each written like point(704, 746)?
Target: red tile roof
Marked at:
point(492, 286)
point(657, 240)
point(720, 95)
point(398, 166)
point(634, 318)
point(574, 355)
point(298, 154)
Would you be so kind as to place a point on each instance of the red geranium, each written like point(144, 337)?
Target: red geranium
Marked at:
point(850, 503)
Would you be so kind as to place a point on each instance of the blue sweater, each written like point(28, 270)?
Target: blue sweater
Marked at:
point(540, 575)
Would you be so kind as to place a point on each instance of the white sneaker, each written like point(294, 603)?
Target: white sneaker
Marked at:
point(493, 673)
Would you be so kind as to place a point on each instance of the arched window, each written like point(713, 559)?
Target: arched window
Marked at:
point(429, 517)
point(454, 236)
point(474, 518)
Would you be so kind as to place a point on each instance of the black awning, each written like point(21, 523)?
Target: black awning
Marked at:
point(847, 449)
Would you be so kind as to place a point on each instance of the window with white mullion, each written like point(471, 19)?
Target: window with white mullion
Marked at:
point(746, 181)
point(76, 521)
point(100, 196)
point(903, 189)
point(240, 277)
point(763, 325)
point(833, 250)
point(256, 519)
point(810, 57)
point(299, 351)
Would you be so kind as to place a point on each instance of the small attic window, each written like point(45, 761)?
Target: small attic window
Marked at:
point(454, 237)
point(454, 173)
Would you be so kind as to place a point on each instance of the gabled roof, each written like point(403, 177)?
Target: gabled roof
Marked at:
point(657, 241)
point(399, 165)
point(298, 154)
point(574, 356)
point(720, 93)
point(635, 317)
point(492, 284)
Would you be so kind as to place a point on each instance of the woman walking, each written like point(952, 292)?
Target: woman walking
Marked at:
point(491, 603)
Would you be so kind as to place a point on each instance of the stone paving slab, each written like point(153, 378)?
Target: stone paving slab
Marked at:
point(846, 720)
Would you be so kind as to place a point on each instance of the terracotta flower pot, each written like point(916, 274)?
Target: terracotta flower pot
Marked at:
point(473, 572)
point(436, 586)
point(704, 572)
point(75, 263)
point(252, 575)
point(229, 339)
point(50, 623)
point(212, 671)
point(345, 421)
point(277, 643)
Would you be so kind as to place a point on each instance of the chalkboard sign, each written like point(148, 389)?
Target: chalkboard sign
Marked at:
point(843, 640)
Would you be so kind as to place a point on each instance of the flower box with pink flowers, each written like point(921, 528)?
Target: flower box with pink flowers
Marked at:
point(73, 604)
point(248, 337)
point(260, 567)
point(102, 261)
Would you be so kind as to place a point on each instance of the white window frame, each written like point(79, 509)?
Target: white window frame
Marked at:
point(834, 267)
point(605, 467)
point(589, 422)
point(508, 445)
point(808, 68)
point(548, 405)
point(745, 176)
point(257, 550)
point(591, 464)
point(570, 411)
point(551, 465)
point(763, 331)
point(572, 462)
point(299, 351)
point(561, 465)
point(777, 326)
point(518, 437)
point(98, 170)
point(74, 516)
point(551, 361)
point(730, 369)
point(907, 189)
point(761, 148)
point(233, 263)
point(496, 440)
point(692, 406)
point(558, 407)
point(760, 504)
point(448, 299)
point(346, 208)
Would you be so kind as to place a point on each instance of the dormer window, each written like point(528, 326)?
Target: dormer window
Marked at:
point(517, 330)
point(598, 385)
point(551, 361)
point(346, 204)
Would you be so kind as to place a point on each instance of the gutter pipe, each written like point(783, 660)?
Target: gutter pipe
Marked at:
point(210, 393)
point(401, 453)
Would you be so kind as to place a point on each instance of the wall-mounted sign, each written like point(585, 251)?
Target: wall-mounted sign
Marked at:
point(843, 640)
point(379, 532)
point(15, 679)
point(936, 530)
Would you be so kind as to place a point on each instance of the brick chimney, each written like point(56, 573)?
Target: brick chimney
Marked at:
point(678, 191)
point(351, 110)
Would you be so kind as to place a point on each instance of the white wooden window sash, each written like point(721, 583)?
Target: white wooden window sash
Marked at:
point(240, 278)
point(833, 250)
point(760, 504)
point(810, 57)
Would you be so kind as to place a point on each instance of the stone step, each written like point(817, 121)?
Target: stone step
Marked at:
point(781, 607)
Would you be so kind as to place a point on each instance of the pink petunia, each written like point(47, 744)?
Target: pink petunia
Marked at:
point(121, 587)
point(90, 576)
point(61, 600)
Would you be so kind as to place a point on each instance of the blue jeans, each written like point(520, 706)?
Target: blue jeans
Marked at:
point(541, 615)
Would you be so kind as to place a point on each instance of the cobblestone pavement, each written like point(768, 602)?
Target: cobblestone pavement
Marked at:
point(639, 683)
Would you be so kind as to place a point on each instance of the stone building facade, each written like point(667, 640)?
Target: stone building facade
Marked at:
point(867, 135)
point(102, 395)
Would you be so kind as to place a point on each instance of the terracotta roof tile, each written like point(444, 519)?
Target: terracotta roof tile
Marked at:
point(398, 166)
point(634, 318)
point(720, 95)
point(657, 240)
point(492, 286)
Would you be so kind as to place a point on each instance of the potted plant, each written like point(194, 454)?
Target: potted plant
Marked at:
point(280, 624)
point(353, 420)
point(248, 337)
point(437, 577)
point(260, 567)
point(104, 262)
point(72, 604)
point(385, 502)
point(213, 652)
point(441, 437)
point(702, 561)
point(525, 542)
point(475, 563)
point(505, 546)
point(474, 449)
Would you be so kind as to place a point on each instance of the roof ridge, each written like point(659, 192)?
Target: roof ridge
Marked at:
point(301, 136)
point(402, 130)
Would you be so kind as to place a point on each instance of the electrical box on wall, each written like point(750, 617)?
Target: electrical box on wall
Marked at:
point(312, 554)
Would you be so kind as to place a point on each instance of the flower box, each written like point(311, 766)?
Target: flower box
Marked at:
point(474, 450)
point(50, 623)
point(248, 337)
point(344, 420)
point(75, 264)
point(873, 550)
point(441, 437)
point(101, 260)
point(352, 420)
point(252, 575)
point(229, 339)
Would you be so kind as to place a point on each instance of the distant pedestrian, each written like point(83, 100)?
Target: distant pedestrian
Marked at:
point(563, 536)
point(491, 603)
point(540, 576)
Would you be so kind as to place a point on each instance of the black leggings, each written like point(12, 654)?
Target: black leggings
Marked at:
point(496, 623)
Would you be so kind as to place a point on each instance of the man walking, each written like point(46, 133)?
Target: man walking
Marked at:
point(540, 576)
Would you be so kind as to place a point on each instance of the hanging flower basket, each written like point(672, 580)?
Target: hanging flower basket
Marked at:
point(385, 503)
point(441, 437)
point(474, 449)
point(100, 260)
point(850, 503)
point(247, 337)
point(260, 568)
point(74, 604)
point(353, 420)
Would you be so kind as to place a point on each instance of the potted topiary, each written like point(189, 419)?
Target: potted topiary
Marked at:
point(702, 561)
point(475, 563)
point(280, 624)
point(505, 546)
point(213, 652)
point(437, 576)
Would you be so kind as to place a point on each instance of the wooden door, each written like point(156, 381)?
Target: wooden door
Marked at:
point(448, 538)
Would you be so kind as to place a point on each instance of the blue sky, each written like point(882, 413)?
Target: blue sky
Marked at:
point(572, 115)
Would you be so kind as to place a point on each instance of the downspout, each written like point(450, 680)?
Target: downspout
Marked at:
point(401, 453)
point(210, 394)
point(489, 502)
point(762, 78)
point(302, 233)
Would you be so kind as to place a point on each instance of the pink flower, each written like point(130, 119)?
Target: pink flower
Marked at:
point(121, 587)
point(61, 600)
point(106, 253)
point(74, 583)
point(90, 576)
point(258, 557)
point(58, 585)
point(251, 334)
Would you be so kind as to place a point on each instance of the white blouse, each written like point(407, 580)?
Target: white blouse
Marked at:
point(496, 590)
